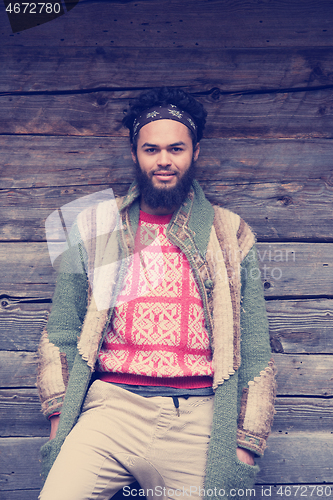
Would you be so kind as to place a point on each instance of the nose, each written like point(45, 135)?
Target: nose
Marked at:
point(164, 159)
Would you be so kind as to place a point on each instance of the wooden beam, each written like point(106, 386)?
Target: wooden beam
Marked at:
point(183, 23)
point(287, 269)
point(299, 115)
point(274, 210)
point(44, 162)
point(298, 457)
point(21, 414)
point(296, 326)
point(301, 326)
point(287, 461)
point(62, 68)
point(301, 375)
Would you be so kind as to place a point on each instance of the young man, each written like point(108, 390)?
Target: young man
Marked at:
point(155, 363)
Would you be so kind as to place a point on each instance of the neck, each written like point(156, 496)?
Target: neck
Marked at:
point(156, 211)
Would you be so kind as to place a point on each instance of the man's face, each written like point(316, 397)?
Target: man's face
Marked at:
point(164, 160)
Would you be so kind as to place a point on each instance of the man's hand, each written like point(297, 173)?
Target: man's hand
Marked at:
point(245, 456)
point(54, 426)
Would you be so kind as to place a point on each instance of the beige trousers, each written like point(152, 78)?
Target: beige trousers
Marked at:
point(121, 437)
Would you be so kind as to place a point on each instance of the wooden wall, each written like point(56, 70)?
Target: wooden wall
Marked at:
point(264, 70)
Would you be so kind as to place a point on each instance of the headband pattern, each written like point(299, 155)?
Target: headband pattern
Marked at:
point(170, 112)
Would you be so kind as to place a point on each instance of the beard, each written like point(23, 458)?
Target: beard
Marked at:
point(164, 197)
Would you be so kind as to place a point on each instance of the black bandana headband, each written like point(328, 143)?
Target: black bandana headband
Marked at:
point(170, 112)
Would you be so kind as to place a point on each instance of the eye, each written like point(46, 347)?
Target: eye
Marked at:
point(150, 150)
point(177, 149)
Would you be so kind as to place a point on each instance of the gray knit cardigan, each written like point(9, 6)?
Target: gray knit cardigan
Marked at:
point(221, 252)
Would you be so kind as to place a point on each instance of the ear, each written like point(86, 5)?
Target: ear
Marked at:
point(196, 151)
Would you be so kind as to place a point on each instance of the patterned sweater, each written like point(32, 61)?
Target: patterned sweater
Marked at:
point(157, 334)
point(220, 249)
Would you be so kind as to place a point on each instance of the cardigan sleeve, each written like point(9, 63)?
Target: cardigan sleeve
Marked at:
point(58, 344)
point(256, 374)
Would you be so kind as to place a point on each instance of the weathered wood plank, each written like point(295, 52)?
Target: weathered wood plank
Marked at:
point(21, 324)
point(278, 211)
point(19, 463)
point(182, 23)
point(21, 415)
point(298, 457)
point(287, 460)
point(296, 269)
point(298, 374)
point(287, 269)
point(284, 115)
point(21, 494)
point(60, 68)
point(301, 326)
point(18, 369)
point(287, 210)
point(296, 326)
point(302, 414)
point(45, 162)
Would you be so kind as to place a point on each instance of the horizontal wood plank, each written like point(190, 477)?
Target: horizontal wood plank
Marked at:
point(44, 162)
point(182, 23)
point(298, 457)
point(18, 369)
point(287, 269)
point(274, 210)
point(303, 374)
point(21, 414)
point(20, 463)
point(76, 68)
point(296, 326)
point(301, 326)
point(287, 460)
point(21, 324)
point(298, 374)
point(302, 414)
point(305, 114)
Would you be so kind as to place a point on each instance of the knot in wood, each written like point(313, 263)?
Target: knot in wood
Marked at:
point(286, 200)
point(215, 94)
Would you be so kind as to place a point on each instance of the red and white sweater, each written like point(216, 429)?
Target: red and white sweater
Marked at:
point(157, 335)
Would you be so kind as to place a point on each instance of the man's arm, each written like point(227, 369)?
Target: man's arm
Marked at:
point(256, 374)
point(58, 345)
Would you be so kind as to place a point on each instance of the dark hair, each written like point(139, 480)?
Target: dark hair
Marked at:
point(163, 96)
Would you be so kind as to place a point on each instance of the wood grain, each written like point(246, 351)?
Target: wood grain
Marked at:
point(287, 269)
point(290, 114)
point(296, 326)
point(67, 69)
point(21, 414)
point(301, 326)
point(274, 210)
point(182, 23)
point(44, 162)
point(301, 375)
point(287, 460)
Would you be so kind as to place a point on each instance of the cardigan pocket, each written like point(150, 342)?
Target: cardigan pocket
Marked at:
point(246, 475)
point(49, 452)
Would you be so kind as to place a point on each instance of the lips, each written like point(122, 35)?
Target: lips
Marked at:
point(164, 175)
point(164, 172)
